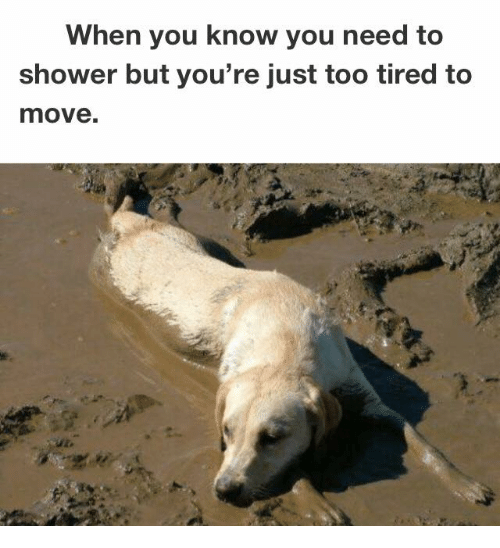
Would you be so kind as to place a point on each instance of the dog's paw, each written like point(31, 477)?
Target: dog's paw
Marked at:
point(315, 508)
point(473, 491)
point(325, 513)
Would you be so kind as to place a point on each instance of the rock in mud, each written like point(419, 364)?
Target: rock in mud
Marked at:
point(355, 295)
point(474, 250)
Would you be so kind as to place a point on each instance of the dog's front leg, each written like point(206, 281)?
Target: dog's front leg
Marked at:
point(316, 507)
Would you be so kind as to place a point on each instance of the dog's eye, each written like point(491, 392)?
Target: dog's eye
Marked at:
point(227, 433)
point(266, 438)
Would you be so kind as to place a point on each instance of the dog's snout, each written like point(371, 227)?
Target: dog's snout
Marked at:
point(228, 489)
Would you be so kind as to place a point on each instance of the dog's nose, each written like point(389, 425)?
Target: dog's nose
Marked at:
point(228, 489)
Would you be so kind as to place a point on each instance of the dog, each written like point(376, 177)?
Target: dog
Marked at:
point(283, 363)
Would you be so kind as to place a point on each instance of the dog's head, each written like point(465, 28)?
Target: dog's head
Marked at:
point(266, 424)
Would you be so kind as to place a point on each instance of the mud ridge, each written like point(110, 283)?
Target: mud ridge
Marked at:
point(356, 293)
point(474, 250)
point(274, 201)
point(475, 181)
point(355, 296)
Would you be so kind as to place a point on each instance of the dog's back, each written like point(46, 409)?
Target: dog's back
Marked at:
point(166, 272)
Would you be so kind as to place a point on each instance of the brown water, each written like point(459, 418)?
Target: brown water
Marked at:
point(67, 342)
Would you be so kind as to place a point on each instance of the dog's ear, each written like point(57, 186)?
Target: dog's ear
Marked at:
point(220, 405)
point(323, 410)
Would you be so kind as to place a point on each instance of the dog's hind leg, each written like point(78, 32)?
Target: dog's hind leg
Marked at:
point(460, 484)
point(118, 189)
point(372, 407)
point(165, 210)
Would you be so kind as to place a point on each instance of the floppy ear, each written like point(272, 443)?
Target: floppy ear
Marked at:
point(323, 410)
point(220, 405)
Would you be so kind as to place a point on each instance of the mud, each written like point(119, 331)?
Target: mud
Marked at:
point(269, 201)
point(69, 503)
point(101, 424)
point(356, 293)
point(356, 298)
point(474, 249)
point(431, 522)
point(16, 422)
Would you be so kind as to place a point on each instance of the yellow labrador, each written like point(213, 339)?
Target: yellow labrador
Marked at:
point(280, 356)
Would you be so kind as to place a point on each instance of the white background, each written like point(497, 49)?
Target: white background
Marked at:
point(249, 537)
point(369, 123)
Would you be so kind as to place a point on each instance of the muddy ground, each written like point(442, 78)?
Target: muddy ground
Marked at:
point(100, 424)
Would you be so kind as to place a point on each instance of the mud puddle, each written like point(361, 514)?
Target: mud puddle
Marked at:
point(100, 423)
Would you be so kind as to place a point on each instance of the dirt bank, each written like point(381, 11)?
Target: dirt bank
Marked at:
point(100, 424)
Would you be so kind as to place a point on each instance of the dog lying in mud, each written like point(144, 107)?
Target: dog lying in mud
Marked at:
point(283, 363)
